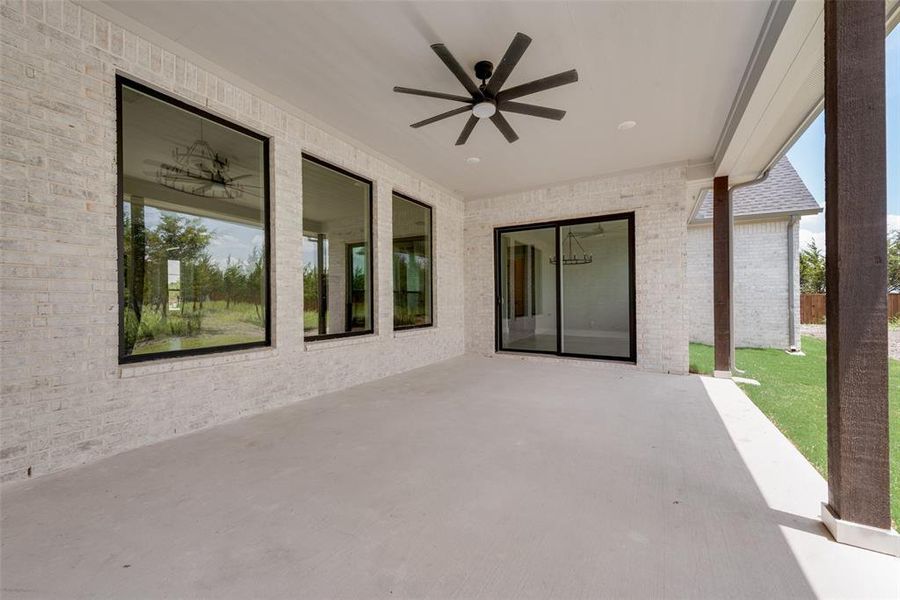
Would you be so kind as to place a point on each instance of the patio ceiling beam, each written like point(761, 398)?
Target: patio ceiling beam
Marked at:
point(858, 509)
point(722, 276)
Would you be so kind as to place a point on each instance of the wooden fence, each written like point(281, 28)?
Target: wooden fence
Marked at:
point(812, 307)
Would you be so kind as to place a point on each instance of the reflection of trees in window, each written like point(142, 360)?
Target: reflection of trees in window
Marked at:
point(411, 269)
point(337, 262)
point(412, 263)
point(315, 284)
point(356, 292)
point(186, 241)
point(194, 272)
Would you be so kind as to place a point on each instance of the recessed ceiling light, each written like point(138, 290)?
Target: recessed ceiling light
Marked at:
point(473, 160)
point(625, 125)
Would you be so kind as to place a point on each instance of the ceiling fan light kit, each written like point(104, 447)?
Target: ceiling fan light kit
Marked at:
point(489, 100)
point(485, 109)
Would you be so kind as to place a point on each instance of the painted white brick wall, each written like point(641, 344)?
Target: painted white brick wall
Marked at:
point(658, 199)
point(760, 284)
point(65, 400)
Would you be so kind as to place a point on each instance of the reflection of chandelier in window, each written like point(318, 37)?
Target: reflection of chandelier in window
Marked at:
point(569, 257)
point(200, 171)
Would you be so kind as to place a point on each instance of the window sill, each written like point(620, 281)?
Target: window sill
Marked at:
point(414, 331)
point(353, 340)
point(169, 365)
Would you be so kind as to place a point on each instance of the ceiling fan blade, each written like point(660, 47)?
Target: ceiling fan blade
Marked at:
point(467, 130)
point(539, 85)
point(509, 61)
point(449, 113)
point(426, 93)
point(456, 69)
point(532, 110)
point(504, 127)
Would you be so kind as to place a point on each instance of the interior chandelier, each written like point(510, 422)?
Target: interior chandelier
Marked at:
point(200, 171)
point(569, 257)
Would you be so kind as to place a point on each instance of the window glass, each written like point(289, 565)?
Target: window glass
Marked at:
point(412, 263)
point(337, 277)
point(528, 290)
point(193, 230)
point(596, 289)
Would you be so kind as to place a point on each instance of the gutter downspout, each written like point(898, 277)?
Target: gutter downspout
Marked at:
point(760, 179)
point(792, 332)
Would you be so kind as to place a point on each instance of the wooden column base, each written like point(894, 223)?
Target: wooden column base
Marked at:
point(885, 541)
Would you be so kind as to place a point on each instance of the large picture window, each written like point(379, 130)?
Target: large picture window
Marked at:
point(193, 229)
point(568, 288)
point(412, 263)
point(337, 256)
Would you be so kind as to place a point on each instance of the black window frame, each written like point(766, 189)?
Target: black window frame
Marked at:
point(430, 267)
point(370, 297)
point(121, 82)
point(556, 225)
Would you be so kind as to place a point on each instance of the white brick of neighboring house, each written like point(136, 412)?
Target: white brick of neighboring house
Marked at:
point(65, 398)
point(761, 315)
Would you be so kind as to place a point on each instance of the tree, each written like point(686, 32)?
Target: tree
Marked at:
point(254, 279)
point(812, 269)
point(233, 281)
point(207, 279)
point(893, 253)
point(174, 238)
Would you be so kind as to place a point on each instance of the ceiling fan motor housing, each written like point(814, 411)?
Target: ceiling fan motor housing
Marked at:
point(483, 70)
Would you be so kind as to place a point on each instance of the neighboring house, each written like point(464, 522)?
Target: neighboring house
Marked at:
point(766, 249)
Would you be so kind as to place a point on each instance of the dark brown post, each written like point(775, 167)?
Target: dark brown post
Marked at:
point(722, 275)
point(856, 271)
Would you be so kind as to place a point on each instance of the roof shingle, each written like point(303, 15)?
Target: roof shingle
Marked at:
point(782, 192)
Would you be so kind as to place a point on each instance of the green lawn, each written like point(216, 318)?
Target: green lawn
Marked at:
point(792, 395)
point(214, 325)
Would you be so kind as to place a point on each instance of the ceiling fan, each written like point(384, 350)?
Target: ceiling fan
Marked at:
point(199, 170)
point(488, 100)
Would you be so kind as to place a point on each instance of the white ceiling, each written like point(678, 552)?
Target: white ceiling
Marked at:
point(674, 67)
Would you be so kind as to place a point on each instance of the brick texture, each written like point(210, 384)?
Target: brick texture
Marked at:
point(65, 399)
point(760, 284)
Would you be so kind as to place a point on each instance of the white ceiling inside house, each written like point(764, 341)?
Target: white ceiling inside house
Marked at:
point(673, 67)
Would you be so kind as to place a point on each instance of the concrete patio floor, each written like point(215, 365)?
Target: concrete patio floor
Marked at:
point(499, 477)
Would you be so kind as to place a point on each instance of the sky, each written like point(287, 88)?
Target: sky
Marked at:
point(808, 153)
point(229, 242)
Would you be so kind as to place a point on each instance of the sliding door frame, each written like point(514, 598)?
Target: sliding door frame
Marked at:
point(557, 225)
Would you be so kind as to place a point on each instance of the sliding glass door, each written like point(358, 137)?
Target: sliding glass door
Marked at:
point(528, 315)
point(567, 288)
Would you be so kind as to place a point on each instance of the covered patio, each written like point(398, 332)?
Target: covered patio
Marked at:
point(476, 477)
point(276, 325)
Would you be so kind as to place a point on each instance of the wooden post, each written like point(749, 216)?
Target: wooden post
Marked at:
point(856, 275)
point(722, 276)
